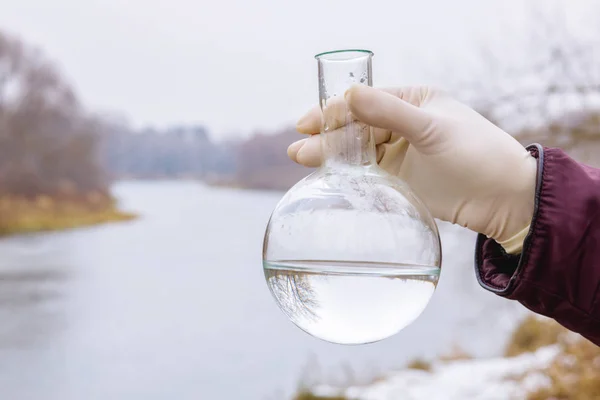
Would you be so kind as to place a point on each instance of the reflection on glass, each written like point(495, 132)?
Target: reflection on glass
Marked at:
point(350, 254)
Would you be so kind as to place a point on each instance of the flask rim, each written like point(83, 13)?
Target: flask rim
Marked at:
point(344, 54)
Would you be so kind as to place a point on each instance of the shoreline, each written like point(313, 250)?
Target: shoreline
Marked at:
point(235, 184)
point(19, 215)
point(543, 360)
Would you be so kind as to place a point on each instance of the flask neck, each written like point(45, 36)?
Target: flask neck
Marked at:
point(344, 141)
point(352, 145)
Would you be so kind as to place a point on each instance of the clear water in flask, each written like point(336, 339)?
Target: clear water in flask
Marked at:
point(351, 302)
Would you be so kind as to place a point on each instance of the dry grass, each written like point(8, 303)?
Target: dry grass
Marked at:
point(43, 213)
point(307, 395)
point(534, 332)
point(574, 374)
point(456, 353)
point(419, 364)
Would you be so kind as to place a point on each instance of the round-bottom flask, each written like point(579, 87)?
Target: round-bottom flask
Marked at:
point(350, 254)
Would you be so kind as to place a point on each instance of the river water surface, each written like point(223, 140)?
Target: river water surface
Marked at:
point(174, 306)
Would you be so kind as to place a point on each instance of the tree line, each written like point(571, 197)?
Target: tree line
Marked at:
point(50, 144)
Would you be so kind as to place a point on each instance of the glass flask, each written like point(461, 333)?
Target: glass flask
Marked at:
point(350, 254)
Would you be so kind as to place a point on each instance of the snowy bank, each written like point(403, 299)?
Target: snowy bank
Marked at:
point(485, 379)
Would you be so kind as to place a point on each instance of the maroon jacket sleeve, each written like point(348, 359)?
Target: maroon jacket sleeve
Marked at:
point(558, 272)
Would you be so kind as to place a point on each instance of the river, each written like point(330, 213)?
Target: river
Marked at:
point(174, 305)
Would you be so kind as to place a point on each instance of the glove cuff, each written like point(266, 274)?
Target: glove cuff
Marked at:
point(514, 245)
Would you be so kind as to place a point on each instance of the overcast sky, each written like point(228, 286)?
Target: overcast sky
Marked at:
point(241, 65)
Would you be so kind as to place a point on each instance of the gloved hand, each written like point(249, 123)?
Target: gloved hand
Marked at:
point(464, 168)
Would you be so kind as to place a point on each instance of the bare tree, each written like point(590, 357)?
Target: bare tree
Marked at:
point(48, 144)
point(548, 90)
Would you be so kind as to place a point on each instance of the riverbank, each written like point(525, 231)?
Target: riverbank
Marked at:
point(543, 361)
point(272, 178)
point(243, 186)
point(45, 213)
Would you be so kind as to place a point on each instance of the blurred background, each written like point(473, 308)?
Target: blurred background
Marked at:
point(143, 147)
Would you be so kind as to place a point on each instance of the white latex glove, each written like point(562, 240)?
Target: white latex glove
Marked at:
point(466, 170)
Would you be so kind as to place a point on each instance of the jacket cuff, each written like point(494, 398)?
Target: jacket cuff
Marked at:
point(495, 269)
